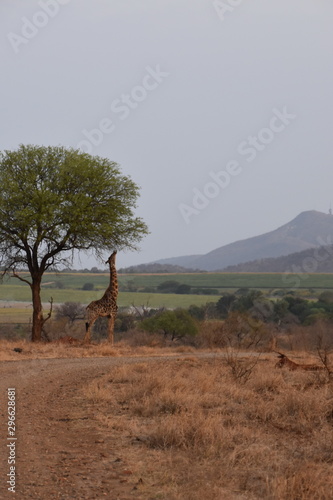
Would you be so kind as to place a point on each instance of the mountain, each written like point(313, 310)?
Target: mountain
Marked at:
point(185, 261)
point(309, 229)
point(319, 260)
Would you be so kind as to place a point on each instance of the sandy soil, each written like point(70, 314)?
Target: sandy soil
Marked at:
point(61, 452)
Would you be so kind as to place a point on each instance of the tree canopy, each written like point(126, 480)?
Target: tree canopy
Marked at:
point(55, 200)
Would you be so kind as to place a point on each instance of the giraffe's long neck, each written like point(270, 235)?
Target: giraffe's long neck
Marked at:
point(113, 287)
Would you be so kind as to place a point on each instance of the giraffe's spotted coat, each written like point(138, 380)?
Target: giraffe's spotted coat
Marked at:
point(107, 305)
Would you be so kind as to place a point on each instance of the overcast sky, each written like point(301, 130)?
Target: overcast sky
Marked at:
point(221, 111)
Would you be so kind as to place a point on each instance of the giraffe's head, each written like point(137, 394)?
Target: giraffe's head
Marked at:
point(112, 258)
point(282, 361)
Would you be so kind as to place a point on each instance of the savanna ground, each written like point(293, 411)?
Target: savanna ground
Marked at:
point(165, 423)
point(152, 421)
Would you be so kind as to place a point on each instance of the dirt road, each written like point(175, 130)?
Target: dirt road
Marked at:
point(59, 451)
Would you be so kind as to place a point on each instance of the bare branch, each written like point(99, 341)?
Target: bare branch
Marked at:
point(49, 314)
point(241, 367)
point(15, 275)
point(323, 356)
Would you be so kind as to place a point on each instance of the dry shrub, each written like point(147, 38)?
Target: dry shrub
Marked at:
point(205, 436)
point(62, 327)
point(237, 331)
point(138, 338)
point(211, 335)
point(306, 338)
point(243, 331)
point(241, 368)
point(15, 332)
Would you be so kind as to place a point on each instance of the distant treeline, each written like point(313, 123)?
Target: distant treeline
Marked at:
point(93, 270)
point(157, 269)
point(140, 269)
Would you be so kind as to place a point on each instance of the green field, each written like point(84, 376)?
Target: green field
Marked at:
point(20, 294)
point(221, 281)
point(64, 287)
point(234, 280)
point(23, 314)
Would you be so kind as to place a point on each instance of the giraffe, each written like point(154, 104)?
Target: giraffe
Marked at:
point(107, 305)
point(292, 366)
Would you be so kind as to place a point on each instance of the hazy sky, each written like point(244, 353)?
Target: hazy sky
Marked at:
point(221, 111)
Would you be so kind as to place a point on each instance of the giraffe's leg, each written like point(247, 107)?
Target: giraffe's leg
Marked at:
point(111, 329)
point(87, 336)
point(89, 325)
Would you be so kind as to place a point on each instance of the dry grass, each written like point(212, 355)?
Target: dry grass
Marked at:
point(53, 350)
point(57, 349)
point(199, 433)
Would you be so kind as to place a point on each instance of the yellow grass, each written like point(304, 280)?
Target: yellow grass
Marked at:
point(189, 430)
point(198, 433)
point(52, 350)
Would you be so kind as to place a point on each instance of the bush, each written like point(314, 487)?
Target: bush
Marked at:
point(197, 312)
point(88, 286)
point(247, 300)
point(148, 289)
point(59, 284)
point(242, 331)
point(224, 304)
point(302, 309)
point(205, 291)
point(15, 332)
point(183, 289)
point(100, 328)
point(169, 286)
point(70, 310)
point(326, 297)
point(125, 322)
point(140, 338)
point(211, 335)
point(177, 324)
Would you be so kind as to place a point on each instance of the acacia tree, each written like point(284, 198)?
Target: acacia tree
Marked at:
point(56, 200)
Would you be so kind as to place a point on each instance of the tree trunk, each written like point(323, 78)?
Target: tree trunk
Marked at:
point(37, 315)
